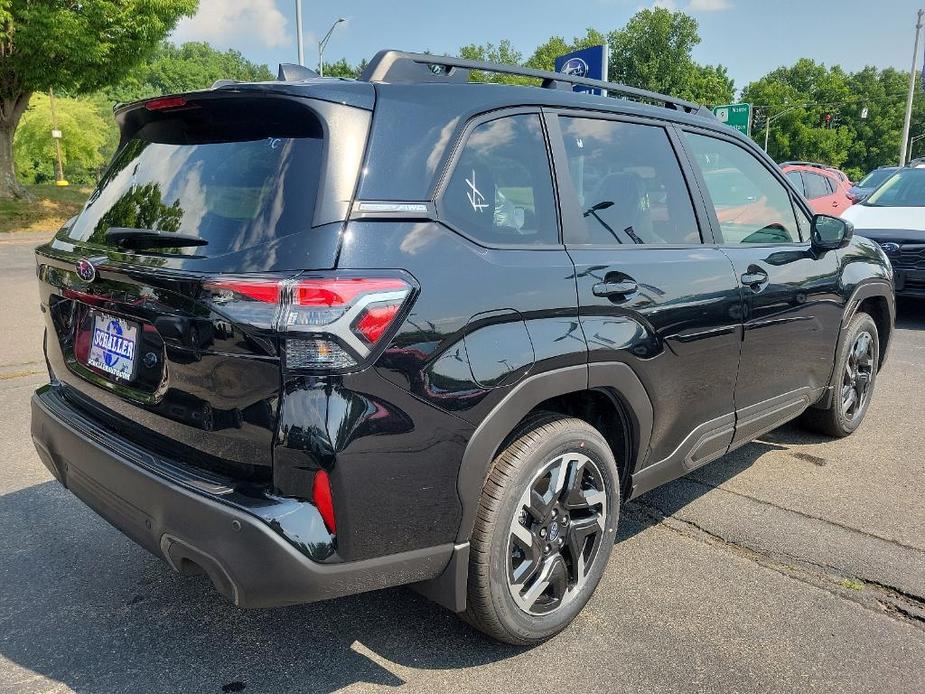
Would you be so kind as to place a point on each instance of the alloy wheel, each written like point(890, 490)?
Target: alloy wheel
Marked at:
point(557, 530)
point(858, 374)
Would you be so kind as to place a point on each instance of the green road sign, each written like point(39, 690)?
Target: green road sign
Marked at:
point(738, 116)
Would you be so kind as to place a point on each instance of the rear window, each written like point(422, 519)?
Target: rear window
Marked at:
point(234, 177)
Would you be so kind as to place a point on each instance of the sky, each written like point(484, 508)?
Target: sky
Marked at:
point(749, 37)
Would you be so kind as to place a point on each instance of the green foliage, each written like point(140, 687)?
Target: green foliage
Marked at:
point(81, 46)
point(84, 136)
point(171, 69)
point(653, 51)
point(140, 208)
point(799, 97)
point(341, 69)
point(77, 47)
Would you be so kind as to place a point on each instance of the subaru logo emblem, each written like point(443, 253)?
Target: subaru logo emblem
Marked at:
point(890, 248)
point(86, 271)
point(553, 531)
point(576, 67)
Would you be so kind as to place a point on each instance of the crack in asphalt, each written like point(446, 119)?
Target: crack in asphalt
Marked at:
point(881, 598)
point(837, 524)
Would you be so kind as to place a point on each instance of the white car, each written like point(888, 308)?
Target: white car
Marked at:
point(894, 216)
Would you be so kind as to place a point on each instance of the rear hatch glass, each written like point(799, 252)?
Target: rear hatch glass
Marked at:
point(232, 174)
point(227, 186)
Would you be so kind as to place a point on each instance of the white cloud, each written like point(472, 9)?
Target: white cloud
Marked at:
point(235, 23)
point(709, 5)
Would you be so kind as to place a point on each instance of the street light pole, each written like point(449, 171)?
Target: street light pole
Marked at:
point(770, 119)
point(56, 135)
point(324, 42)
point(912, 75)
point(912, 141)
point(298, 30)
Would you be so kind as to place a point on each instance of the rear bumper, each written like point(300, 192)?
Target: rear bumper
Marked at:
point(193, 524)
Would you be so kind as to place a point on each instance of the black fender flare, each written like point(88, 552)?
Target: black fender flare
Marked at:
point(524, 397)
point(865, 289)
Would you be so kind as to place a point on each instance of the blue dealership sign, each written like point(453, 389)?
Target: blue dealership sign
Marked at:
point(588, 62)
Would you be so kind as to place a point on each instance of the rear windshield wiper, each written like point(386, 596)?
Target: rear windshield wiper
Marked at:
point(151, 238)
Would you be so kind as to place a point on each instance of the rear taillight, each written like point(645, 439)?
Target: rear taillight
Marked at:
point(328, 322)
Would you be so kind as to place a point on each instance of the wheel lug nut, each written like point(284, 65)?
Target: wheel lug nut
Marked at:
point(554, 513)
point(547, 549)
point(564, 520)
point(542, 532)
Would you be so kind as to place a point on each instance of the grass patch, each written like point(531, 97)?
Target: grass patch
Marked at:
point(852, 584)
point(51, 207)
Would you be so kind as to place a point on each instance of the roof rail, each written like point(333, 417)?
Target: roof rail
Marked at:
point(399, 66)
point(815, 164)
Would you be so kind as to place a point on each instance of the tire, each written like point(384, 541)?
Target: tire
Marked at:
point(856, 362)
point(553, 528)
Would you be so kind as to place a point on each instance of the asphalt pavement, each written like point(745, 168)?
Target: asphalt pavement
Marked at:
point(794, 564)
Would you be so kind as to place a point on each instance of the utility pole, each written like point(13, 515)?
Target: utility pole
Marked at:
point(298, 30)
point(912, 75)
point(56, 136)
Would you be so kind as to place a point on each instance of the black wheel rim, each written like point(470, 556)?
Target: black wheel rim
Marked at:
point(857, 376)
point(556, 533)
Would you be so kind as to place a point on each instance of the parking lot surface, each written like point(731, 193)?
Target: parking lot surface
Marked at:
point(794, 564)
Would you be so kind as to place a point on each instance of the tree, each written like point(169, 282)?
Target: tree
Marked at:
point(341, 69)
point(84, 137)
point(653, 51)
point(819, 114)
point(171, 69)
point(78, 46)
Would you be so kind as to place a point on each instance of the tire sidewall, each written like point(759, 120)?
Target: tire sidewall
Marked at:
point(535, 628)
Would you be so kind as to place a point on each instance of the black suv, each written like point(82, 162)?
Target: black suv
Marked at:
point(314, 337)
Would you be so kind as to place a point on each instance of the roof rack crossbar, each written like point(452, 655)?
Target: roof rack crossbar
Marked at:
point(399, 66)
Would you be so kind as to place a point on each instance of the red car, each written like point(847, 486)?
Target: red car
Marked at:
point(824, 187)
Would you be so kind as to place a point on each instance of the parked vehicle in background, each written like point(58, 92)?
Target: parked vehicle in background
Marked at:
point(838, 172)
point(917, 163)
point(894, 216)
point(869, 183)
point(314, 337)
point(825, 188)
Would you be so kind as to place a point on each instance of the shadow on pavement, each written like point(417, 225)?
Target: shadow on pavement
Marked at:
point(910, 314)
point(650, 508)
point(83, 605)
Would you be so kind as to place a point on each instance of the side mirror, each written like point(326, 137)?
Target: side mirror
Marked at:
point(829, 233)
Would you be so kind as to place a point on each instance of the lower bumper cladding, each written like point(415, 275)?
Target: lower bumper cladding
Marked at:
point(194, 525)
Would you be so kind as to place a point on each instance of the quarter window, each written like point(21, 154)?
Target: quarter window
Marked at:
point(629, 184)
point(751, 205)
point(501, 190)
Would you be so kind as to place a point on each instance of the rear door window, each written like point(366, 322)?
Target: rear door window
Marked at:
point(816, 185)
point(230, 181)
point(629, 184)
point(796, 179)
point(500, 192)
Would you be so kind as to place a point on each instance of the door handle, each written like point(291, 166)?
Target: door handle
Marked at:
point(755, 278)
point(620, 288)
